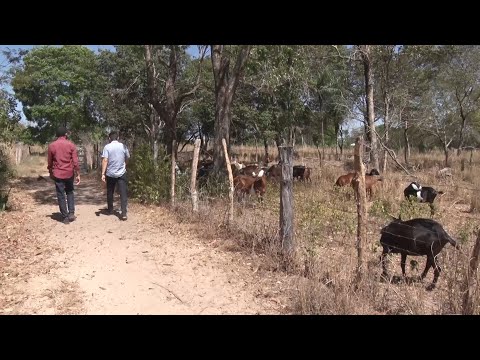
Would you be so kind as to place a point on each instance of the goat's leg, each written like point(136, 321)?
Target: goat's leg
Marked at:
point(427, 267)
point(403, 262)
point(383, 260)
point(436, 274)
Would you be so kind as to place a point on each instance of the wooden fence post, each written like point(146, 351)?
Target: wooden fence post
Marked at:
point(193, 182)
point(468, 307)
point(174, 163)
point(230, 179)
point(361, 198)
point(286, 200)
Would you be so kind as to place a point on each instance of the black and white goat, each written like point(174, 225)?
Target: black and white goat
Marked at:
point(424, 194)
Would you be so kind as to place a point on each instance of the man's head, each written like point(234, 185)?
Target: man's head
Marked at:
point(113, 135)
point(62, 131)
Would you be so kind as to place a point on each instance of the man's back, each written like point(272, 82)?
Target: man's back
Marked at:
point(62, 158)
point(116, 153)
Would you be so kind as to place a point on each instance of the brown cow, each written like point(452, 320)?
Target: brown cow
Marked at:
point(244, 183)
point(250, 170)
point(275, 172)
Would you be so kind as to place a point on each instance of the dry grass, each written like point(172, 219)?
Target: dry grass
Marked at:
point(25, 253)
point(34, 165)
point(325, 233)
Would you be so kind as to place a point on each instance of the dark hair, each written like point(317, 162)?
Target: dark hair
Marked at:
point(113, 135)
point(61, 131)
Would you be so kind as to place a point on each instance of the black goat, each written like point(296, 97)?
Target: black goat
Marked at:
point(424, 194)
point(416, 237)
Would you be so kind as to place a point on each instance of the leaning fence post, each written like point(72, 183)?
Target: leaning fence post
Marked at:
point(193, 182)
point(230, 179)
point(361, 198)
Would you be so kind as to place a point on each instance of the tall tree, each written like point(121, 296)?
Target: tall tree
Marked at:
point(58, 86)
point(226, 81)
point(168, 87)
point(366, 56)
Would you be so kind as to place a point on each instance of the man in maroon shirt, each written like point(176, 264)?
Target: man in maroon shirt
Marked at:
point(63, 165)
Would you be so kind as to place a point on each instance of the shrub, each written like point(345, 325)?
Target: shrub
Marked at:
point(6, 173)
point(148, 181)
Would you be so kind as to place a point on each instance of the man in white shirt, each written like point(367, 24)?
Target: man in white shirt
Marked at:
point(115, 156)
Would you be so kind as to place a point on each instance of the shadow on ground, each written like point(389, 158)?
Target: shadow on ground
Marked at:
point(106, 213)
point(89, 192)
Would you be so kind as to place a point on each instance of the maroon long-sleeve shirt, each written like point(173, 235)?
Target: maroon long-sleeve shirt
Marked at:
point(62, 158)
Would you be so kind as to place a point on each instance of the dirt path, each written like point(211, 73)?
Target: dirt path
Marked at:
point(147, 265)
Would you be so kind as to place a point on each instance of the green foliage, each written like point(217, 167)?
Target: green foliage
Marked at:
point(468, 230)
point(58, 86)
point(10, 129)
point(148, 182)
point(381, 208)
point(411, 209)
point(6, 173)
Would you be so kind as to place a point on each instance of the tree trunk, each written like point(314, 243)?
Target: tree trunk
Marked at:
point(341, 142)
point(387, 135)
point(265, 145)
point(462, 136)
point(323, 140)
point(371, 135)
point(221, 131)
point(445, 151)
point(170, 137)
point(337, 128)
point(407, 143)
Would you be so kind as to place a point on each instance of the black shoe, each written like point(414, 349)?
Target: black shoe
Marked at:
point(71, 217)
point(66, 221)
point(124, 217)
point(109, 212)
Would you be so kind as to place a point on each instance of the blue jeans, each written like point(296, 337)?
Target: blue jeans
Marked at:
point(65, 186)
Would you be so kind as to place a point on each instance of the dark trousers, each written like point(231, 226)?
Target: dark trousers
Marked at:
point(122, 188)
point(65, 186)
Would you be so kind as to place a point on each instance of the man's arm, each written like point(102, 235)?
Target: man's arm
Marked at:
point(76, 166)
point(104, 167)
point(104, 162)
point(50, 161)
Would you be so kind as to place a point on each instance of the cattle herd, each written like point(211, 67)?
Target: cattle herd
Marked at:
point(416, 237)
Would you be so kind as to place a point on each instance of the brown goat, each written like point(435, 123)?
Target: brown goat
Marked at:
point(346, 179)
point(370, 181)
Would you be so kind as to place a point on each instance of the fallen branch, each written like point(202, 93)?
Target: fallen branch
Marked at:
point(392, 154)
point(170, 291)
